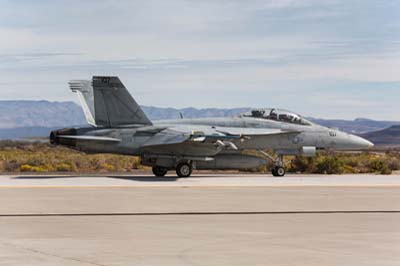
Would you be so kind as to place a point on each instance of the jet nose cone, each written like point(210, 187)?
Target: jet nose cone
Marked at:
point(369, 144)
point(349, 142)
point(362, 143)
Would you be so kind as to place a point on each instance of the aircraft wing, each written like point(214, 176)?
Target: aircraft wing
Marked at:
point(232, 133)
point(204, 139)
point(167, 137)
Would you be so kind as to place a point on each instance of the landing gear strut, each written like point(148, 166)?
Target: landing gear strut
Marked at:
point(279, 168)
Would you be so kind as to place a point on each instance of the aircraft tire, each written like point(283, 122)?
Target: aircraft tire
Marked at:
point(278, 171)
point(184, 169)
point(159, 171)
point(273, 171)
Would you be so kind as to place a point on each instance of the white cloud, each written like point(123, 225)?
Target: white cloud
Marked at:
point(217, 53)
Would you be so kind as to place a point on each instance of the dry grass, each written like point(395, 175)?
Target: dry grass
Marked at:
point(40, 157)
point(346, 163)
point(43, 157)
point(382, 162)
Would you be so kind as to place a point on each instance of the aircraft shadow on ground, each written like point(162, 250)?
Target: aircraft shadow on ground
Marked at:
point(146, 178)
point(132, 178)
point(125, 177)
point(44, 176)
point(159, 179)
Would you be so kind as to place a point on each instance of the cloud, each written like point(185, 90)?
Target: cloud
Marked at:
point(24, 57)
point(215, 53)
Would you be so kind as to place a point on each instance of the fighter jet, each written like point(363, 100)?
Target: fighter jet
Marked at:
point(118, 125)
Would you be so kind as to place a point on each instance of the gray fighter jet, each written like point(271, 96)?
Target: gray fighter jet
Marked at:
point(118, 125)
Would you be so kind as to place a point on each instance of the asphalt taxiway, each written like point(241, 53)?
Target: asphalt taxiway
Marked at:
point(219, 219)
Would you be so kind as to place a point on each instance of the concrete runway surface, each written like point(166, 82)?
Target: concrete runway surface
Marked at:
point(219, 219)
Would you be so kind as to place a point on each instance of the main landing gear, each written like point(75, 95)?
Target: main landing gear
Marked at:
point(159, 171)
point(278, 169)
point(183, 169)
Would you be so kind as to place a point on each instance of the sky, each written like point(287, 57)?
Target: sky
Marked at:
point(320, 58)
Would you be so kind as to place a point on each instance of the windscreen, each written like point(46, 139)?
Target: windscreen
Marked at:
point(278, 115)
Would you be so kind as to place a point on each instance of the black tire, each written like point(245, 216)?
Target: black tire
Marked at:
point(159, 171)
point(279, 171)
point(273, 171)
point(184, 169)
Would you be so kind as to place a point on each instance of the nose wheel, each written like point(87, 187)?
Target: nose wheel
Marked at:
point(278, 171)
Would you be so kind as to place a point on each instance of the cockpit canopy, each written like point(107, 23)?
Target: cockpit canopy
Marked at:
point(278, 115)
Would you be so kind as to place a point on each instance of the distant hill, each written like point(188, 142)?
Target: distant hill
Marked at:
point(25, 132)
point(386, 137)
point(356, 126)
point(19, 119)
point(23, 114)
point(17, 114)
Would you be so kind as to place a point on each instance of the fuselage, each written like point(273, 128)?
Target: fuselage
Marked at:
point(310, 135)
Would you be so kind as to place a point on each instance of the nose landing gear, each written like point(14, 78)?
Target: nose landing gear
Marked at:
point(278, 171)
point(279, 168)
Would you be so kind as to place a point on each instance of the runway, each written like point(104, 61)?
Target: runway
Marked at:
point(196, 180)
point(218, 219)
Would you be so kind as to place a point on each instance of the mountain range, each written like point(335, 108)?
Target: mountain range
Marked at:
point(17, 114)
point(21, 119)
point(385, 137)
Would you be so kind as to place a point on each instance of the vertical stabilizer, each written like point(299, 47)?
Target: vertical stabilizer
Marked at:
point(106, 102)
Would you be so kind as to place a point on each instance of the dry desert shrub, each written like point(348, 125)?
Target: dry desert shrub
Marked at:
point(18, 156)
point(39, 157)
